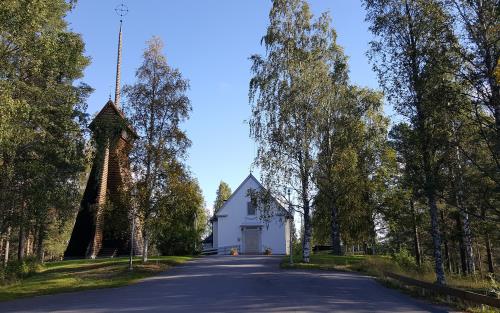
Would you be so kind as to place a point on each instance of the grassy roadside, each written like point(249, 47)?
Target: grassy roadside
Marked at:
point(375, 266)
point(73, 275)
point(325, 261)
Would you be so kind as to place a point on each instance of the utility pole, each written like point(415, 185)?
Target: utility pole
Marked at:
point(130, 261)
point(290, 212)
point(195, 231)
point(132, 231)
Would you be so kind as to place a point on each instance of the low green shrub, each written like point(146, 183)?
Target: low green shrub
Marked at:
point(405, 260)
point(16, 270)
point(297, 248)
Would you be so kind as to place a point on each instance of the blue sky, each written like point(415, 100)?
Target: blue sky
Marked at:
point(210, 42)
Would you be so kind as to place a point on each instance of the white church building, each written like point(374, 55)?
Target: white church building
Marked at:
point(238, 224)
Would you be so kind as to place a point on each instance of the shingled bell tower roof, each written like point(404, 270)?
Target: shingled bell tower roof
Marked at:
point(111, 111)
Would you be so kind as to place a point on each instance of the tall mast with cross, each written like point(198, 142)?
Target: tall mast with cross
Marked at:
point(121, 10)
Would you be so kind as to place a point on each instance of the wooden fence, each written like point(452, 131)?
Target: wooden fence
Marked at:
point(447, 291)
point(220, 250)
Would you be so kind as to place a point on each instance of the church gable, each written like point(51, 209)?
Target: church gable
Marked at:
point(240, 200)
point(235, 200)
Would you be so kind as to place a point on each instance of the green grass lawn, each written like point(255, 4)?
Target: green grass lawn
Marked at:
point(73, 275)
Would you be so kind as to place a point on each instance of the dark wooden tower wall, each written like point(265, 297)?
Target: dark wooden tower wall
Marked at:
point(102, 223)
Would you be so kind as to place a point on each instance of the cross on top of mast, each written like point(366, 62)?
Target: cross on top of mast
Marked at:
point(121, 10)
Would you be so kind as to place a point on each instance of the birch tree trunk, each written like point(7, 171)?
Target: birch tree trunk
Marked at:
point(40, 252)
point(29, 244)
point(2, 242)
point(416, 237)
point(436, 238)
point(306, 245)
point(467, 242)
point(335, 232)
point(479, 260)
point(463, 258)
point(491, 262)
point(465, 232)
point(447, 257)
point(145, 245)
point(7, 246)
point(22, 243)
point(304, 161)
point(445, 242)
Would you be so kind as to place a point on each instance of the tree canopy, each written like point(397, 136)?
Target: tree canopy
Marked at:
point(42, 118)
point(222, 194)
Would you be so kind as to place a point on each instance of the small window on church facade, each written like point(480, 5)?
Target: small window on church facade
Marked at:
point(250, 208)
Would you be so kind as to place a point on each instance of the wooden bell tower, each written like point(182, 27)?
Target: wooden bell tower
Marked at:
point(102, 224)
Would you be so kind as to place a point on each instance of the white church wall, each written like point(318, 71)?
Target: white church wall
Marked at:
point(233, 215)
point(274, 236)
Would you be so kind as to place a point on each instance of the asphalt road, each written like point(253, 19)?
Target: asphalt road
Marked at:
point(233, 284)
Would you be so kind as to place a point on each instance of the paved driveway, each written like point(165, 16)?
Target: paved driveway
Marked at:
point(233, 284)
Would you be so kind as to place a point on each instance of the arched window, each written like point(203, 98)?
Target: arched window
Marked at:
point(250, 208)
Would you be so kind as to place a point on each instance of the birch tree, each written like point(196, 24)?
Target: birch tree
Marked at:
point(285, 92)
point(157, 104)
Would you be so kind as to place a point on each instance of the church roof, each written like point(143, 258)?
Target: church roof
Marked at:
point(250, 177)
